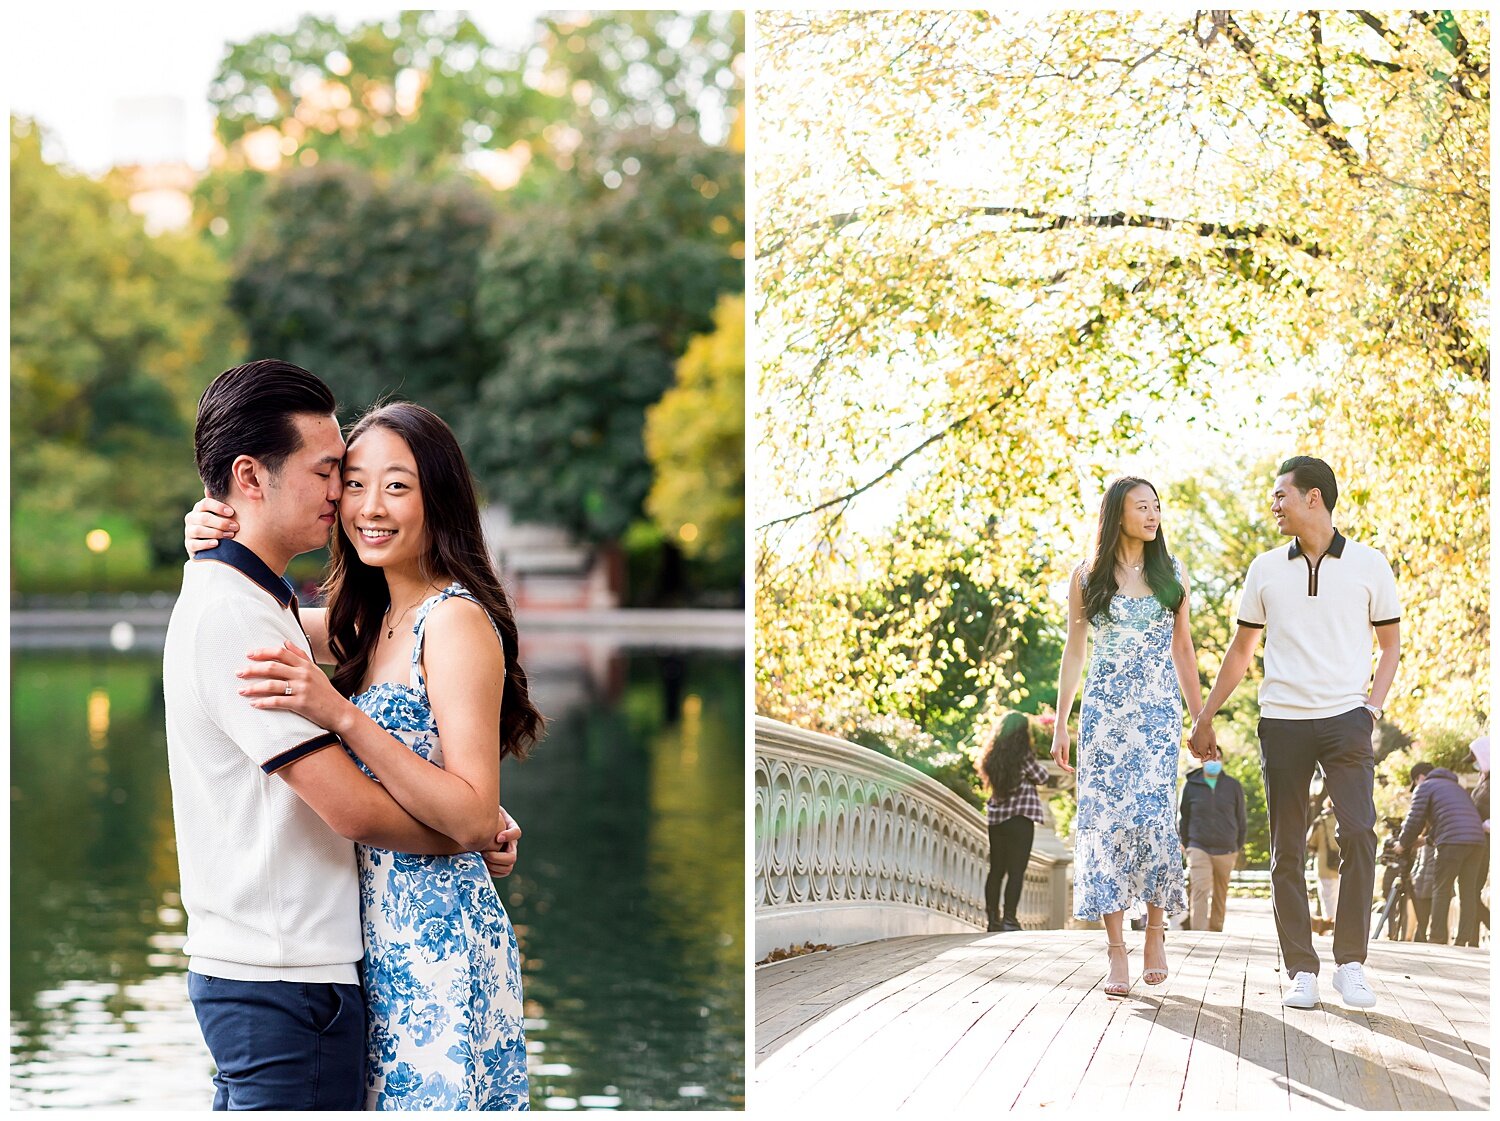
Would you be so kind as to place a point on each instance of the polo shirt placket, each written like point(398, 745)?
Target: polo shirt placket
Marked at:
point(1319, 625)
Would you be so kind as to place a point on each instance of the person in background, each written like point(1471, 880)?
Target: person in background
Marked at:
point(1442, 805)
point(1014, 811)
point(1423, 880)
point(1211, 823)
point(1480, 750)
point(1322, 842)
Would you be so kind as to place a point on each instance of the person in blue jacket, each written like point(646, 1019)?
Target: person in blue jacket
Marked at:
point(1458, 832)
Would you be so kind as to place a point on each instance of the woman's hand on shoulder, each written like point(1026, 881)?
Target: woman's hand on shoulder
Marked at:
point(208, 522)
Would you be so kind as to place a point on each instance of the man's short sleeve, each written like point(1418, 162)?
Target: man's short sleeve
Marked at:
point(1385, 599)
point(1252, 609)
point(271, 738)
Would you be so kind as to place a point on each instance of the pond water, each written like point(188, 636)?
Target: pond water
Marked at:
point(628, 900)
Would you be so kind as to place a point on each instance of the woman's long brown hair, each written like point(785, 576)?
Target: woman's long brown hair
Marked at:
point(357, 592)
point(1005, 757)
point(1099, 584)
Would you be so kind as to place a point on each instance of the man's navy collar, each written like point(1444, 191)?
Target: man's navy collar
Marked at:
point(1335, 547)
point(238, 557)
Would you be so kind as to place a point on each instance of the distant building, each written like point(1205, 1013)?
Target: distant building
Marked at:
point(543, 567)
point(149, 152)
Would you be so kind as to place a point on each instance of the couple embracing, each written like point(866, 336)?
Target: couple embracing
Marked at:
point(1323, 604)
point(347, 948)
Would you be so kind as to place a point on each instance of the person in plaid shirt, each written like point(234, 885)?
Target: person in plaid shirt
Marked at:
point(1013, 811)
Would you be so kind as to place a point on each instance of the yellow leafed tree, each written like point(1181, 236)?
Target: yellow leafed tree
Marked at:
point(999, 253)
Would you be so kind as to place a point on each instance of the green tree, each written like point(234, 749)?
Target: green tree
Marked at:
point(695, 439)
point(426, 94)
point(370, 283)
point(589, 299)
point(111, 333)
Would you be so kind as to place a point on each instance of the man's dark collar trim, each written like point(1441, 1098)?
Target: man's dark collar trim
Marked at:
point(238, 557)
point(1335, 547)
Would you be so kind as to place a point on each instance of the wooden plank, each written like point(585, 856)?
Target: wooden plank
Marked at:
point(1363, 1081)
point(839, 978)
point(844, 979)
point(1157, 1030)
point(1261, 1078)
point(1413, 1073)
point(1038, 1016)
point(1457, 1070)
point(820, 1051)
point(1211, 1068)
point(942, 1024)
point(1002, 1009)
point(1312, 1074)
point(1066, 1061)
point(897, 1057)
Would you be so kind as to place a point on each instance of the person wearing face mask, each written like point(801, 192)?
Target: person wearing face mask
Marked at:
point(1211, 823)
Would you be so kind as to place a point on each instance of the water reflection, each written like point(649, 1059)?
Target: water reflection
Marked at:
point(628, 902)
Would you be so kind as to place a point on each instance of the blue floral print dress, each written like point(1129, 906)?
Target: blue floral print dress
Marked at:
point(441, 972)
point(1126, 847)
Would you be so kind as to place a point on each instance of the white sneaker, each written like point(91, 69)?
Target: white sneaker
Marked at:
point(1349, 980)
point(1303, 993)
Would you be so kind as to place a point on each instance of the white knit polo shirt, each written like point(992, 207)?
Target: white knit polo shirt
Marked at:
point(271, 892)
point(1319, 621)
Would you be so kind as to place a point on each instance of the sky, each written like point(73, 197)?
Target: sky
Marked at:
point(76, 68)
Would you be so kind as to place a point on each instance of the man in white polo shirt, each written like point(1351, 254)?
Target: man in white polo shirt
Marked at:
point(1323, 603)
point(265, 816)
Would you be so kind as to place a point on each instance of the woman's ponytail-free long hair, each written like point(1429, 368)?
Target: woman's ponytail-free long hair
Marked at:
point(456, 551)
point(1005, 757)
point(1099, 583)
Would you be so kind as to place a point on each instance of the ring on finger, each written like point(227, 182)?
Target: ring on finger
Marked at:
point(289, 688)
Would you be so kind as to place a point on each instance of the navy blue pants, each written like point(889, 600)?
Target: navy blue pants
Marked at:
point(283, 1044)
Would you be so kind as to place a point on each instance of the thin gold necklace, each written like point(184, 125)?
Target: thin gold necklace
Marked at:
point(391, 627)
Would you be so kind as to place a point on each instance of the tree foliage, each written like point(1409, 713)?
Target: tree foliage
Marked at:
point(589, 300)
point(997, 254)
point(427, 94)
point(110, 332)
point(695, 439)
point(370, 283)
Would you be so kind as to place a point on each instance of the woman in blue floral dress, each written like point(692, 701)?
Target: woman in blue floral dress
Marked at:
point(1134, 597)
point(423, 638)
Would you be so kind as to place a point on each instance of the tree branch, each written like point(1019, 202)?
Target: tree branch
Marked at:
point(1373, 22)
point(1052, 220)
point(849, 496)
point(1315, 117)
point(1445, 30)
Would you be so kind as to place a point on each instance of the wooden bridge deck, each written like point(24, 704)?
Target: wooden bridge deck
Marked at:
point(1018, 1020)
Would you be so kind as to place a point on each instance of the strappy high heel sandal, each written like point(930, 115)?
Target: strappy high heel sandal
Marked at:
point(1118, 988)
point(1156, 976)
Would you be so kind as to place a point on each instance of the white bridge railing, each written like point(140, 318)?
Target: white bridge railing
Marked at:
point(851, 845)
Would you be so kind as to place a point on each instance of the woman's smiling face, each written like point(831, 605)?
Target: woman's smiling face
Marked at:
point(381, 507)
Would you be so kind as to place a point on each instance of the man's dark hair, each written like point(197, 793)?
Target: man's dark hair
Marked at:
point(249, 410)
point(1308, 473)
point(1417, 771)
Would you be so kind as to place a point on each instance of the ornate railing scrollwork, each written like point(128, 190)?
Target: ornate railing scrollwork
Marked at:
point(852, 845)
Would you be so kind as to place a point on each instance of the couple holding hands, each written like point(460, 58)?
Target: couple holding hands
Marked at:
point(1323, 603)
